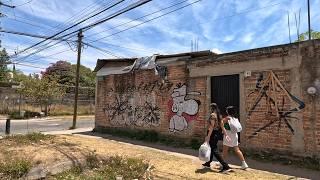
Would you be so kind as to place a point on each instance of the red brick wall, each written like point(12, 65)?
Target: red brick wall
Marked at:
point(310, 77)
point(277, 135)
point(142, 100)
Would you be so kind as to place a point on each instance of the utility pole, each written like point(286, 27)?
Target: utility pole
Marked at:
point(77, 80)
point(309, 24)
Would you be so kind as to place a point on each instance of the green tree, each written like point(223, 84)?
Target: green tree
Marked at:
point(65, 73)
point(4, 60)
point(43, 91)
point(305, 36)
point(18, 76)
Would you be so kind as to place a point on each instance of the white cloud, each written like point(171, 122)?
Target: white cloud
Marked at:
point(247, 38)
point(228, 38)
point(216, 50)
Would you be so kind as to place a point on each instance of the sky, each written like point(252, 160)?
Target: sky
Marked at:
point(158, 27)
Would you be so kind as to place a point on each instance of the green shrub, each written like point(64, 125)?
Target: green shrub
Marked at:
point(27, 115)
point(15, 115)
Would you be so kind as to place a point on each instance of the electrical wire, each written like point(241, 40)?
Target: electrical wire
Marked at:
point(189, 4)
point(72, 26)
point(128, 8)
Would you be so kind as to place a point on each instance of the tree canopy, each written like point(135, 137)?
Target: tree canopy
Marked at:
point(4, 60)
point(65, 72)
point(305, 36)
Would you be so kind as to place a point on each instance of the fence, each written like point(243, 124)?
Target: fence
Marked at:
point(12, 101)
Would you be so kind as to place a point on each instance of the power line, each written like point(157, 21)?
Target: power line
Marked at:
point(28, 2)
point(189, 4)
point(128, 8)
point(102, 50)
point(109, 7)
point(6, 5)
point(124, 10)
point(138, 18)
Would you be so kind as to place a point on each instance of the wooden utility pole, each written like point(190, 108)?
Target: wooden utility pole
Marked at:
point(309, 23)
point(77, 81)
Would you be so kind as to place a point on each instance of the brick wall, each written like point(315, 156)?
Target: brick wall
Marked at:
point(142, 100)
point(263, 128)
point(310, 77)
point(179, 105)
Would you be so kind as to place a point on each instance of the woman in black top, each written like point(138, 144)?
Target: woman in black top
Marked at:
point(214, 134)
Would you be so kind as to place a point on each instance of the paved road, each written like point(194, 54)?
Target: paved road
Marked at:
point(46, 124)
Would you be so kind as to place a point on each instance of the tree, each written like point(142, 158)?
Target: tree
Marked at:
point(4, 60)
point(65, 72)
point(61, 71)
point(43, 91)
point(305, 36)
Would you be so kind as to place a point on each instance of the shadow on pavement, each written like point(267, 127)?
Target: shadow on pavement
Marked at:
point(254, 164)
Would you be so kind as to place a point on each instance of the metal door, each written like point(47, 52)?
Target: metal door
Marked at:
point(225, 91)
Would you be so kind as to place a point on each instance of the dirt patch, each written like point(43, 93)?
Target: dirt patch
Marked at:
point(166, 165)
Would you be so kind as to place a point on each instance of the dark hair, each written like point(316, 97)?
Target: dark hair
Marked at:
point(231, 111)
point(214, 108)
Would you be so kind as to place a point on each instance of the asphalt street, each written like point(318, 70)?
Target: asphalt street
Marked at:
point(44, 125)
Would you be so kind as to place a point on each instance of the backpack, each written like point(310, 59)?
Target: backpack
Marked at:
point(235, 125)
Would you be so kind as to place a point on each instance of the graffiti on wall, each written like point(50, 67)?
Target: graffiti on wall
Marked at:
point(183, 109)
point(128, 111)
point(143, 87)
point(272, 90)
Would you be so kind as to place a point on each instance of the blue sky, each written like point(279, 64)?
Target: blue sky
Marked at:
point(220, 26)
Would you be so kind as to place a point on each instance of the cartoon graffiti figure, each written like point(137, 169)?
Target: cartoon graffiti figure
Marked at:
point(183, 108)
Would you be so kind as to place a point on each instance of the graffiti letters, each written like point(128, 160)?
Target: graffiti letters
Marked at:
point(138, 111)
point(183, 109)
point(158, 86)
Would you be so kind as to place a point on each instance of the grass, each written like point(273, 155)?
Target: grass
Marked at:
point(151, 136)
point(13, 168)
point(109, 168)
point(60, 110)
point(28, 138)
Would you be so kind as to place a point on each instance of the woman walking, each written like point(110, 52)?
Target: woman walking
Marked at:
point(231, 138)
point(214, 134)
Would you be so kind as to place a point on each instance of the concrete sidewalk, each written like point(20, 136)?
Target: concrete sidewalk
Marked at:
point(71, 131)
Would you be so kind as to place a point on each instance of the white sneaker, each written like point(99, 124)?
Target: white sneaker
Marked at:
point(218, 164)
point(244, 166)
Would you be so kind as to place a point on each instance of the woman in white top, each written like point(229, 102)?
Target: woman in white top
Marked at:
point(231, 138)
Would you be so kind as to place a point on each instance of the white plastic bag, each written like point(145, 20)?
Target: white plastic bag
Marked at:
point(204, 152)
point(235, 125)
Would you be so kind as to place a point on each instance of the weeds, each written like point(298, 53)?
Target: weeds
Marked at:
point(110, 168)
point(28, 138)
point(14, 168)
point(152, 136)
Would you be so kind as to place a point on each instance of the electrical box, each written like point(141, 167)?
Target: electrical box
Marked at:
point(247, 73)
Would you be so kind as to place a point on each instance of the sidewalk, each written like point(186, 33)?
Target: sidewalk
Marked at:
point(189, 156)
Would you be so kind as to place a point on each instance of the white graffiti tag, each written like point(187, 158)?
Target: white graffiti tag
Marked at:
point(180, 106)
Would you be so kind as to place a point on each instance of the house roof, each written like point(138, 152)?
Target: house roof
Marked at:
point(102, 62)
